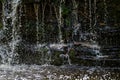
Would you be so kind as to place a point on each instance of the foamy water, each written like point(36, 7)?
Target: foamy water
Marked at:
point(47, 72)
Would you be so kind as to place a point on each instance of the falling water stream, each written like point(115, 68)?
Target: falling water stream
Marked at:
point(90, 14)
point(36, 7)
point(60, 22)
point(106, 13)
point(15, 36)
point(10, 23)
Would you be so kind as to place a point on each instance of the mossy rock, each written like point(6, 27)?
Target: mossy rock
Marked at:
point(1, 0)
point(56, 59)
point(31, 1)
point(1, 25)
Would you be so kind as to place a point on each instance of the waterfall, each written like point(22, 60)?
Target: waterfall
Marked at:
point(46, 23)
point(10, 26)
point(5, 32)
point(15, 36)
point(93, 32)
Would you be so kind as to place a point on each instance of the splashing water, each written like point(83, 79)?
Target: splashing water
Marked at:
point(35, 72)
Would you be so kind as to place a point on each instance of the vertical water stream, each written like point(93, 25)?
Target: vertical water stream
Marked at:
point(11, 27)
point(90, 15)
point(60, 22)
point(36, 7)
point(15, 36)
point(106, 13)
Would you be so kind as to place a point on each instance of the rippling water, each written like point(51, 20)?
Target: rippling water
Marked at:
point(49, 72)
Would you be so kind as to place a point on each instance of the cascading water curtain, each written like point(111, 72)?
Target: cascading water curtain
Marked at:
point(10, 19)
point(15, 36)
